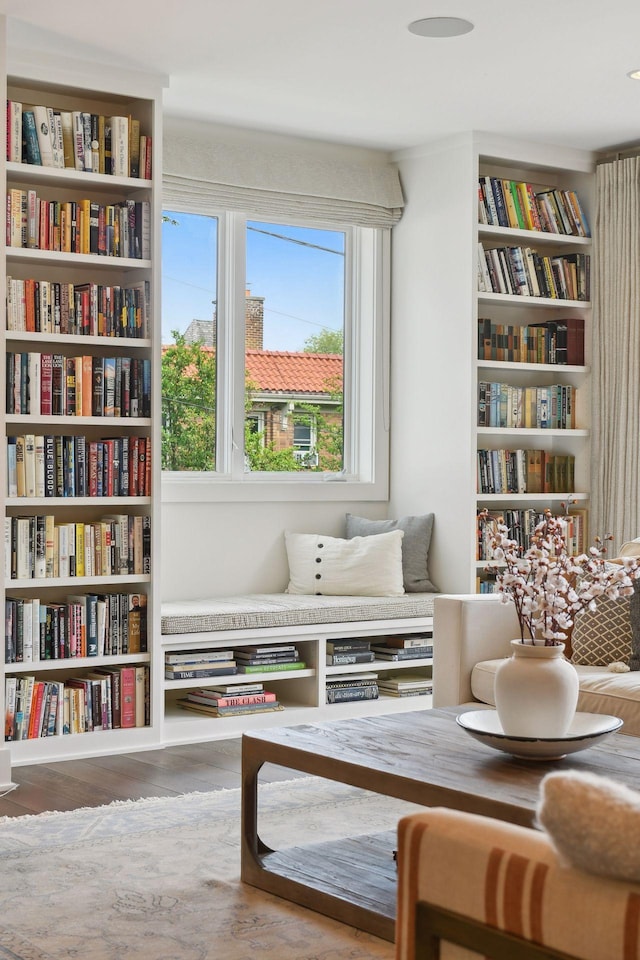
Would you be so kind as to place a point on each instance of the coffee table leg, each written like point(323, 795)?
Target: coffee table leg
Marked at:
point(252, 847)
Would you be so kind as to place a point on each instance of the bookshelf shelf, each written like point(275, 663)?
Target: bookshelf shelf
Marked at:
point(17, 419)
point(533, 238)
point(77, 663)
point(508, 299)
point(545, 499)
point(74, 339)
point(16, 255)
point(72, 582)
point(62, 620)
point(32, 173)
point(557, 369)
point(541, 433)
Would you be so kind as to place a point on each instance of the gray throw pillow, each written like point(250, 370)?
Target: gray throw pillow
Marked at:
point(415, 546)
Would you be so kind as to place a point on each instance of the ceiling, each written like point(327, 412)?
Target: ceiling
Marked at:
point(349, 71)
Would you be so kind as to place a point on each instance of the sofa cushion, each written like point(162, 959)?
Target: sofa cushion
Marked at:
point(603, 636)
point(614, 694)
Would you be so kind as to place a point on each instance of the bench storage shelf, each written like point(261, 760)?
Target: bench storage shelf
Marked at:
point(277, 619)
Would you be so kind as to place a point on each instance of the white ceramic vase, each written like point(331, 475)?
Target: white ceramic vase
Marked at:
point(536, 691)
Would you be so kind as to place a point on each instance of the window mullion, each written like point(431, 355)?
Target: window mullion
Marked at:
point(230, 346)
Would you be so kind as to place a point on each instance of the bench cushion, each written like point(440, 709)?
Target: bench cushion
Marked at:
point(285, 610)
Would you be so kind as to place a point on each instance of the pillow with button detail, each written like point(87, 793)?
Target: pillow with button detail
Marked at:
point(359, 567)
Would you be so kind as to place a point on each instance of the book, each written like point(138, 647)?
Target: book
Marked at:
point(411, 653)
point(231, 711)
point(351, 694)
point(30, 133)
point(205, 697)
point(43, 132)
point(412, 640)
point(221, 669)
point(270, 667)
point(197, 656)
point(119, 127)
point(235, 688)
point(341, 659)
point(347, 646)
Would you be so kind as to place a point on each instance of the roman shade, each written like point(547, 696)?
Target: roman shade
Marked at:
point(203, 174)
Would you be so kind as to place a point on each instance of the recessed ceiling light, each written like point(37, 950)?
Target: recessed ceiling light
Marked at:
point(634, 74)
point(440, 27)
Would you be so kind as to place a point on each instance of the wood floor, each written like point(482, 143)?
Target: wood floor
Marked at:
point(69, 784)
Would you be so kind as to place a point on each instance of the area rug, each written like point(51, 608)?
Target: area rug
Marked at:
point(160, 879)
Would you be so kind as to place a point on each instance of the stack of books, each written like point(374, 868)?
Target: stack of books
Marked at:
point(231, 700)
point(343, 652)
point(268, 658)
point(193, 664)
point(346, 687)
point(407, 685)
point(411, 647)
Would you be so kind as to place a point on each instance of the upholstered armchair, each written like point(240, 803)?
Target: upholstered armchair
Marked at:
point(502, 891)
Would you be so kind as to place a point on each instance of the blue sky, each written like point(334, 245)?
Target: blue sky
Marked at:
point(303, 286)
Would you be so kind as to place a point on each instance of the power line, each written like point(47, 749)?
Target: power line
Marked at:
point(301, 243)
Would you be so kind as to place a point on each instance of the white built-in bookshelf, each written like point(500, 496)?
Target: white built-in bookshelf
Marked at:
point(79, 470)
point(531, 407)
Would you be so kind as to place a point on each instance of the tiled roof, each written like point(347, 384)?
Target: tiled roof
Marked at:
point(282, 372)
point(275, 371)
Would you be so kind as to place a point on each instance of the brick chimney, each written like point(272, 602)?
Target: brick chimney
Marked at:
point(254, 338)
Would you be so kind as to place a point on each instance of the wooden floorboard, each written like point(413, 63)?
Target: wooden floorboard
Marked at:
point(69, 784)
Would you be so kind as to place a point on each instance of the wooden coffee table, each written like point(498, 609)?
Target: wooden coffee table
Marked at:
point(423, 757)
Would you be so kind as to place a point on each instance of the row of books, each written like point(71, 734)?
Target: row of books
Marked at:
point(86, 625)
point(39, 547)
point(511, 406)
point(553, 341)
point(525, 471)
point(121, 229)
point(405, 685)
point(521, 525)
point(253, 658)
point(237, 701)
point(517, 204)
point(82, 309)
point(343, 652)
point(50, 384)
point(108, 698)
point(521, 271)
point(75, 139)
point(75, 466)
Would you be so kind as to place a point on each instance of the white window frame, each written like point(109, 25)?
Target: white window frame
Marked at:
point(366, 379)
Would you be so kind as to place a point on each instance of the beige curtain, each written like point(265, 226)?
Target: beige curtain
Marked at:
point(616, 352)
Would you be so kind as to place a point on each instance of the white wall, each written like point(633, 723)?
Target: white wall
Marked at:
point(432, 343)
point(217, 549)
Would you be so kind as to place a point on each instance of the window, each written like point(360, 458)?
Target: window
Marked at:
point(273, 355)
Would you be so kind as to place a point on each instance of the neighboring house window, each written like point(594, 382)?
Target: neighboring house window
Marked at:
point(273, 345)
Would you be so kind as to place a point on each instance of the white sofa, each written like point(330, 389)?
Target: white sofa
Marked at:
point(471, 634)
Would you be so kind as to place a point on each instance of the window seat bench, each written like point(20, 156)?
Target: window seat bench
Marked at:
point(310, 622)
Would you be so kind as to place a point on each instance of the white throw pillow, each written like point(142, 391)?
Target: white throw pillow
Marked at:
point(360, 567)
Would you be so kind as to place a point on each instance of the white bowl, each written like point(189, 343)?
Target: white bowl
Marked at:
point(585, 730)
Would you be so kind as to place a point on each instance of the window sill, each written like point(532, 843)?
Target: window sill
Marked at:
point(203, 488)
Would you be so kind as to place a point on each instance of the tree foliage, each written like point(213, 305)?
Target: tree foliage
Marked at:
point(189, 419)
point(188, 406)
point(327, 341)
